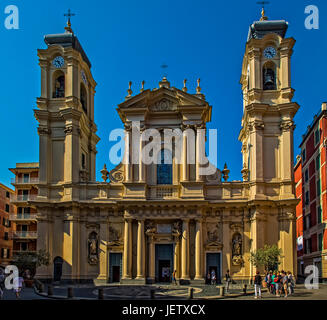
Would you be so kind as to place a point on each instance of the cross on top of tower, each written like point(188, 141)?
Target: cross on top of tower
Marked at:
point(263, 3)
point(69, 14)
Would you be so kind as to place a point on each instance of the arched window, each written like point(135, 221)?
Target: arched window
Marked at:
point(269, 76)
point(165, 167)
point(83, 98)
point(59, 87)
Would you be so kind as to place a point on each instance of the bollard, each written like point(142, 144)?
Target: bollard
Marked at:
point(100, 294)
point(221, 291)
point(70, 293)
point(41, 287)
point(244, 289)
point(152, 294)
point(190, 293)
point(50, 290)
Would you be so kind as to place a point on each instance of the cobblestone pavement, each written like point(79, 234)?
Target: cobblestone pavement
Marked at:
point(167, 292)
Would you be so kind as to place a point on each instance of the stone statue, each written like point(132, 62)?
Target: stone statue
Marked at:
point(150, 227)
point(212, 232)
point(177, 228)
point(93, 248)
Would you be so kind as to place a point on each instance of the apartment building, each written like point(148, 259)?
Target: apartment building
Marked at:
point(311, 182)
point(6, 226)
point(25, 183)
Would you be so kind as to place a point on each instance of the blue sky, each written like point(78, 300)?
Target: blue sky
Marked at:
point(130, 40)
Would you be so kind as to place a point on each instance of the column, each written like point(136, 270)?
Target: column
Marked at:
point(185, 165)
point(200, 143)
point(140, 250)
point(127, 162)
point(198, 250)
point(177, 256)
point(103, 258)
point(127, 262)
point(141, 164)
point(152, 258)
point(185, 251)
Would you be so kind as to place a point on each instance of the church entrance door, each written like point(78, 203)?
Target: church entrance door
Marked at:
point(214, 265)
point(115, 267)
point(57, 268)
point(164, 262)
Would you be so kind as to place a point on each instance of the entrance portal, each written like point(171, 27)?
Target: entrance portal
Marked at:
point(57, 268)
point(213, 266)
point(115, 267)
point(164, 262)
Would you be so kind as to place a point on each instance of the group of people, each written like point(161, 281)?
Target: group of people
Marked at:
point(17, 285)
point(211, 277)
point(278, 283)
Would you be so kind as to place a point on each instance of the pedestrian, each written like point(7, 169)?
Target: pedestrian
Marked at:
point(269, 280)
point(257, 285)
point(2, 284)
point(291, 283)
point(273, 286)
point(228, 280)
point(285, 284)
point(18, 285)
point(213, 277)
point(174, 277)
point(276, 282)
point(208, 278)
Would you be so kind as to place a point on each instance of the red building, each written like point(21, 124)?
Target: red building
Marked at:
point(6, 227)
point(311, 182)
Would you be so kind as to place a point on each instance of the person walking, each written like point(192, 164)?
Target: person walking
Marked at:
point(2, 284)
point(257, 285)
point(18, 285)
point(228, 280)
point(208, 278)
point(174, 277)
point(269, 280)
point(213, 277)
point(276, 282)
point(285, 284)
point(291, 283)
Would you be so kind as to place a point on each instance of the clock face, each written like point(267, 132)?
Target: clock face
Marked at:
point(270, 52)
point(83, 75)
point(58, 62)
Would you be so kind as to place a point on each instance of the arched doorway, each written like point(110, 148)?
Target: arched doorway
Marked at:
point(57, 268)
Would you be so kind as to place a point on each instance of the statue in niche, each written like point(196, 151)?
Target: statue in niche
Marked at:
point(93, 246)
point(237, 249)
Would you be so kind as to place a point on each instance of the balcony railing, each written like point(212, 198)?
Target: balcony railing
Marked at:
point(23, 217)
point(163, 192)
point(23, 198)
point(24, 234)
point(24, 181)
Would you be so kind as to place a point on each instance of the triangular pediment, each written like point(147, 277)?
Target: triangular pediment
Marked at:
point(162, 99)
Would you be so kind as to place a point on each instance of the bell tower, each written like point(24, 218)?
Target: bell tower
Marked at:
point(65, 112)
point(268, 110)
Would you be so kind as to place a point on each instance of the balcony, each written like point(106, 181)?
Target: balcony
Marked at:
point(24, 181)
point(22, 198)
point(163, 192)
point(24, 234)
point(23, 217)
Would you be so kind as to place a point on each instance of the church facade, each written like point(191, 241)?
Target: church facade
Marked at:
point(143, 221)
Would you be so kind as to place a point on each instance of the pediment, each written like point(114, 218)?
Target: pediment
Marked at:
point(162, 100)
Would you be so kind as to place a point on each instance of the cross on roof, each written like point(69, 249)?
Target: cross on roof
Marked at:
point(69, 14)
point(263, 3)
point(164, 67)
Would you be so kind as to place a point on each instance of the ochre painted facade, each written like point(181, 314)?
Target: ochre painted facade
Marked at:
point(132, 229)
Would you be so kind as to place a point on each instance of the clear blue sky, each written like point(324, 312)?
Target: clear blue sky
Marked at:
point(129, 40)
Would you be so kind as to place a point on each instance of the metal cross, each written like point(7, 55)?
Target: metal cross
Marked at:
point(69, 15)
point(263, 3)
point(164, 67)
